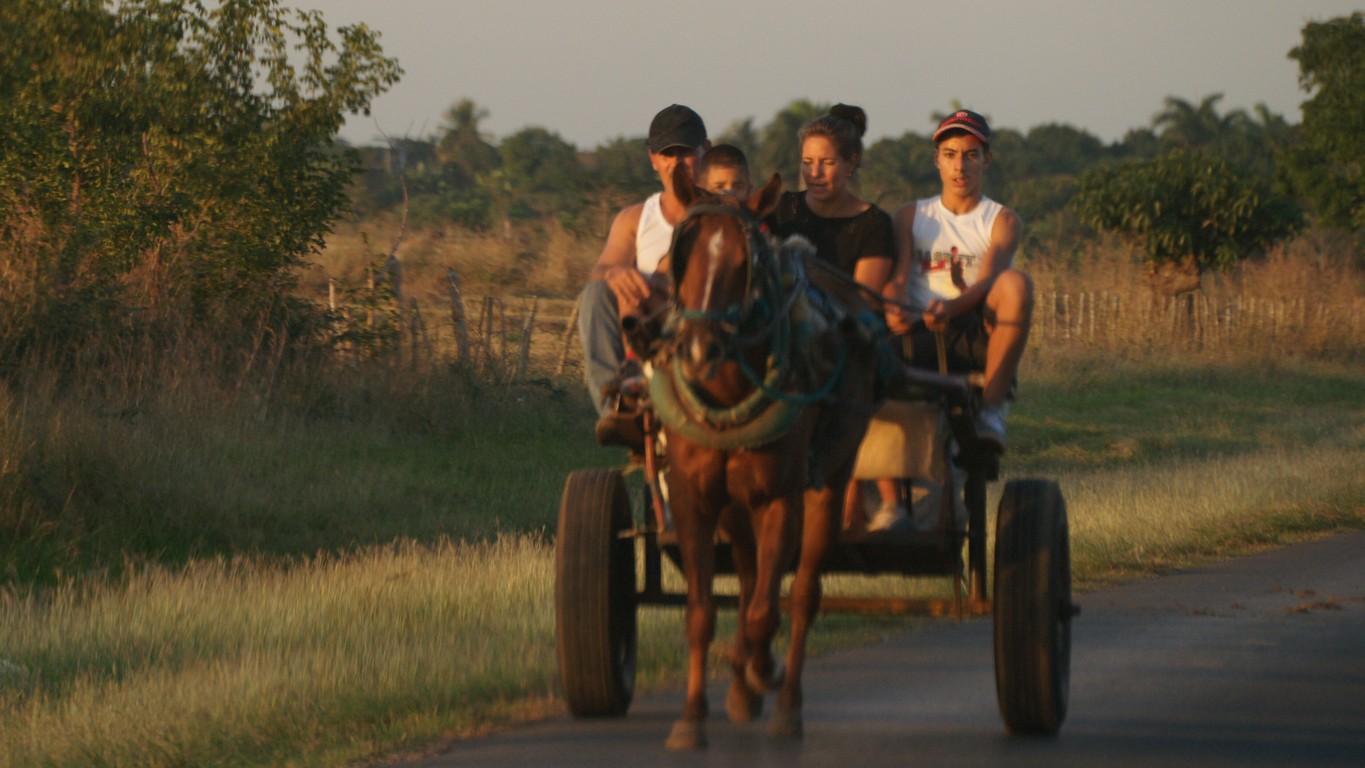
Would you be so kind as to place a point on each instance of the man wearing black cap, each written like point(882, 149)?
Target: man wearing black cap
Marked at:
point(955, 257)
point(623, 282)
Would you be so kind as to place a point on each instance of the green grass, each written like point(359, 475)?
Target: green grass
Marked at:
point(231, 584)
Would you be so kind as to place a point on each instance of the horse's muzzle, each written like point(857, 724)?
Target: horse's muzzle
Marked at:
point(700, 354)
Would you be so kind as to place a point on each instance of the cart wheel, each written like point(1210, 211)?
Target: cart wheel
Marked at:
point(595, 594)
point(1033, 607)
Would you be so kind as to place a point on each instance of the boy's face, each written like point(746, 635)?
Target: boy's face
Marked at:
point(962, 161)
point(726, 181)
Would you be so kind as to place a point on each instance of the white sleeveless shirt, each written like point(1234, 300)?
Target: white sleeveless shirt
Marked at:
point(653, 236)
point(945, 242)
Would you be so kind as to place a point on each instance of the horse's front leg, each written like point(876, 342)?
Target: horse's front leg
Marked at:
point(742, 703)
point(695, 527)
point(777, 529)
point(821, 527)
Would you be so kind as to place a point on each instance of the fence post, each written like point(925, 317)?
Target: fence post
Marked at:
point(503, 360)
point(486, 331)
point(568, 337)
point(457, 316)
point(418, 329)
point(524, 361)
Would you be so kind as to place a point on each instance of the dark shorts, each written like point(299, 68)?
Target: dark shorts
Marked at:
point(964, 344)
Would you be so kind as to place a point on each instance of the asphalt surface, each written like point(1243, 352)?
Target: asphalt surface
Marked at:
point(1259, 661)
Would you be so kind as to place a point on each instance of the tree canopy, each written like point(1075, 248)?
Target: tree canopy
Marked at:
point(1328, 165)
point(159, 159)
point(1188, 209)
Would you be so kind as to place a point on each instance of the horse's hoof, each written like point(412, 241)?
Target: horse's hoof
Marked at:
point(761, 686)
point(686, 736)
point(743, 704)
point(785, 724)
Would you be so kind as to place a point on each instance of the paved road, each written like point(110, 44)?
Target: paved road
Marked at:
point(1255, 662)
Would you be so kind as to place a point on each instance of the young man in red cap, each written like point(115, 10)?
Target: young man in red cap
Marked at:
point(955, 263)
point(624, 282)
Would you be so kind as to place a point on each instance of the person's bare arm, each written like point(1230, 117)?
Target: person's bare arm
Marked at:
point(897, 288)
point(872, 272)
point(616, 265)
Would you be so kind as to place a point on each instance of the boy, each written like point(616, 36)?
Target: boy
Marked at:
point(724, 170)
point(956, 257)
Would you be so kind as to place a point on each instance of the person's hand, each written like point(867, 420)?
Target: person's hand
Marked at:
point(630, 288)
point(897, 319)
point(936, 315)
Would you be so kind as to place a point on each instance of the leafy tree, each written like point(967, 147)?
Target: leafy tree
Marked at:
point(898, 170)
point(621, 171)
point(1327, 165)
point(160, 160)
point(1054, 149)
point(780, 151)
point(1191, 212)
point(1139, 143)
point(541, 175)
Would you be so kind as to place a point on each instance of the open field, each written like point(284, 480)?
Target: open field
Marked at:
point(337, 605)
point(321, 562)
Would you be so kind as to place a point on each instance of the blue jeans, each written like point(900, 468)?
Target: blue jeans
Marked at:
point(599, 331)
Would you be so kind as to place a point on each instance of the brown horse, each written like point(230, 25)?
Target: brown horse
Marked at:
point(760, 439)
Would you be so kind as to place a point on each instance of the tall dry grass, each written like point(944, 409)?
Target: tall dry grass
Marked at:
point(1305, 298)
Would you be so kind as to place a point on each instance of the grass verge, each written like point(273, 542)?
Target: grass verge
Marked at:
point(325, 590)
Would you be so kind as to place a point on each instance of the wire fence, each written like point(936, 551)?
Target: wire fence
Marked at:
point(531, 338)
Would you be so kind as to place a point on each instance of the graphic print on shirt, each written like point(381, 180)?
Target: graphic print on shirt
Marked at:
point(949, 248)
point(953, 261)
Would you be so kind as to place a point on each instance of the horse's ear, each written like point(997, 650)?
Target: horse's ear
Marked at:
point(764, 201)
point(684, 187)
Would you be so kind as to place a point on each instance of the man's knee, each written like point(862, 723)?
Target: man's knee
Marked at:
point(1011, 297)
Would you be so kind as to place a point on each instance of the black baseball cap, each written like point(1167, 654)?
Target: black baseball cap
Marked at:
point(676, 126)
point(965, 120)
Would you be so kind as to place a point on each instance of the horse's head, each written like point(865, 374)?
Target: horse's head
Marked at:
point(713, 263)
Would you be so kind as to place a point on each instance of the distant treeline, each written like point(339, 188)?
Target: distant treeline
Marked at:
point(465, 177)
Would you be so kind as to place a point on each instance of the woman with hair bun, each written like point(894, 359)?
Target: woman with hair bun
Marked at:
point(852, 234)
point(847, 231)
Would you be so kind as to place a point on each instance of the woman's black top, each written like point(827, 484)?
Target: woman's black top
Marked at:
point(839, 241)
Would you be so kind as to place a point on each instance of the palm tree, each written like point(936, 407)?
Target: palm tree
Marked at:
point(1182, 124)
point(463, 144)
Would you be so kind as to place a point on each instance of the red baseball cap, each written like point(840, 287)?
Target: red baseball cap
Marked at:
point(966, 120)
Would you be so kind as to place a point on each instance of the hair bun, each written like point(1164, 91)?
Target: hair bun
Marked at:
point(853, 114)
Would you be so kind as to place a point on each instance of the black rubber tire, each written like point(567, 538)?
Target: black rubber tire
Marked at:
point(595, 611)
point(1033, 609)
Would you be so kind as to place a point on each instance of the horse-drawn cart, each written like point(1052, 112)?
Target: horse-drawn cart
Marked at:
point(600, 586)
point(765, 376)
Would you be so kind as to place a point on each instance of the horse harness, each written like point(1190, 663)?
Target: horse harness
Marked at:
point(778, 310)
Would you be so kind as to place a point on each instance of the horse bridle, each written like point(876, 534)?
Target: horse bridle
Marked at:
point(770, 296)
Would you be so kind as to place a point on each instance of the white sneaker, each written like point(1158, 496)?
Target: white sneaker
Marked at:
point(888, 516)
point(990, 425)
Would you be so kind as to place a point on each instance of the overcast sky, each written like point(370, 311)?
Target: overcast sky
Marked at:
point(592, 70)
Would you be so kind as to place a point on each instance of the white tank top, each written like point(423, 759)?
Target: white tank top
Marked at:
point(653, 236)
point(948, 247)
